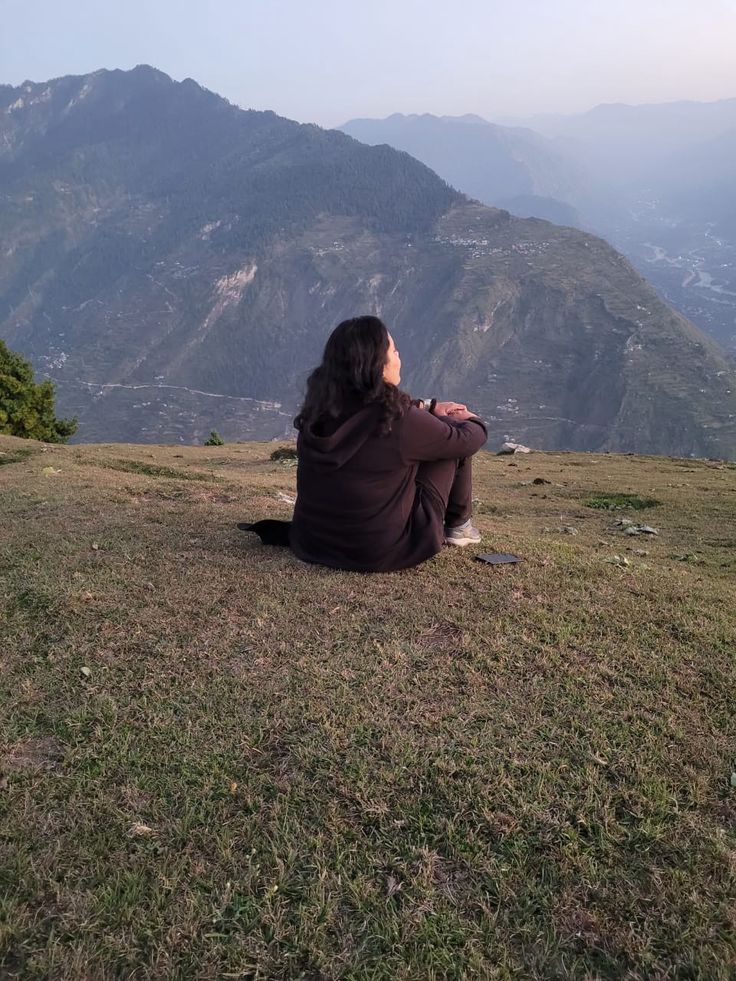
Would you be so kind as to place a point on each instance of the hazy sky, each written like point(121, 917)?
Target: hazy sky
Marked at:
point(326, 61)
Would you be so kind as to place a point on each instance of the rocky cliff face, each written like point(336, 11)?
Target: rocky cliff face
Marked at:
point(175, 264)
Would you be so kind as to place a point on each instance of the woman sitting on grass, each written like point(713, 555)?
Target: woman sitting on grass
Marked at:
point(382, 480)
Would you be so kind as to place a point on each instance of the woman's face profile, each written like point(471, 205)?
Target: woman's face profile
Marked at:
point(392, 368)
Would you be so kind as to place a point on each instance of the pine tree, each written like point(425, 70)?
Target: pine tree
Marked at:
point(27, 408)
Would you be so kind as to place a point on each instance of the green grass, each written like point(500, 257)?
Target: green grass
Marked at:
point(273, 770)
point(15, 456)
point(151, 470)
point(620, 502)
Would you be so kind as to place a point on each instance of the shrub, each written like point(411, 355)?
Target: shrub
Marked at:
point(214, 439)
point(284, 453)
point(27, 408)
point(620, 502)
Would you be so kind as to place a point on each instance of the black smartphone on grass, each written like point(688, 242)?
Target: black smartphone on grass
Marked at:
point(498, 558)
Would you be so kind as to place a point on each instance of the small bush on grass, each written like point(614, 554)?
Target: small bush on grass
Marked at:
point(149, 470)
point(620, 502)
point(284, 453)
point(15, 456)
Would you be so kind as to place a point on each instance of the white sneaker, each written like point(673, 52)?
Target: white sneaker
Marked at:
point(465, 534)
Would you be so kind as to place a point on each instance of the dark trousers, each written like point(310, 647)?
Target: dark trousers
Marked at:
point(449, 486)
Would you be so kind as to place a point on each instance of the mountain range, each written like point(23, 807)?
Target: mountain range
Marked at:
point(175, 264)
point(657, 181)
point(512, 168)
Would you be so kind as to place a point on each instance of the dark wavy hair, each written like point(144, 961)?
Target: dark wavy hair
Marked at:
point(351, 374)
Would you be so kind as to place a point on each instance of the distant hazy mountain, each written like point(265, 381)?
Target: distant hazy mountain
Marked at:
point(658, 181)
point(702, 186)
point(508, 168)
point(664, 179)
point(631, 143)
point(176, 263)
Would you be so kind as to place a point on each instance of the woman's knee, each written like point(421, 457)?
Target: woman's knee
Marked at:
point(439, 475)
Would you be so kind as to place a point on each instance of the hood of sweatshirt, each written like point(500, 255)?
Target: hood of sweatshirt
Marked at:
point(333, 444)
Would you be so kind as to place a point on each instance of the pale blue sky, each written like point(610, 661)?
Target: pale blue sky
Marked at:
point(326, 61)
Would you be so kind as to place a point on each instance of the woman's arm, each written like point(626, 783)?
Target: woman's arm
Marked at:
point(439, 408)
point(428, 437)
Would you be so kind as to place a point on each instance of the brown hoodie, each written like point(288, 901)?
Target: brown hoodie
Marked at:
point(358, 506)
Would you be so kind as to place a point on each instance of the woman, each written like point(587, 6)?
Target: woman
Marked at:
point(382, 480)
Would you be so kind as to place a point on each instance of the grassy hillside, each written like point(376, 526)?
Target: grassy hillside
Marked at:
point(219, 762)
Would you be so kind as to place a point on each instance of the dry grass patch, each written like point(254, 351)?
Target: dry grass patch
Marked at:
point(274, 770)
point(31, 754)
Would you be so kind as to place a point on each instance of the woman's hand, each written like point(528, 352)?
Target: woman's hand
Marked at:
point(461, 415)
point(449, 408)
